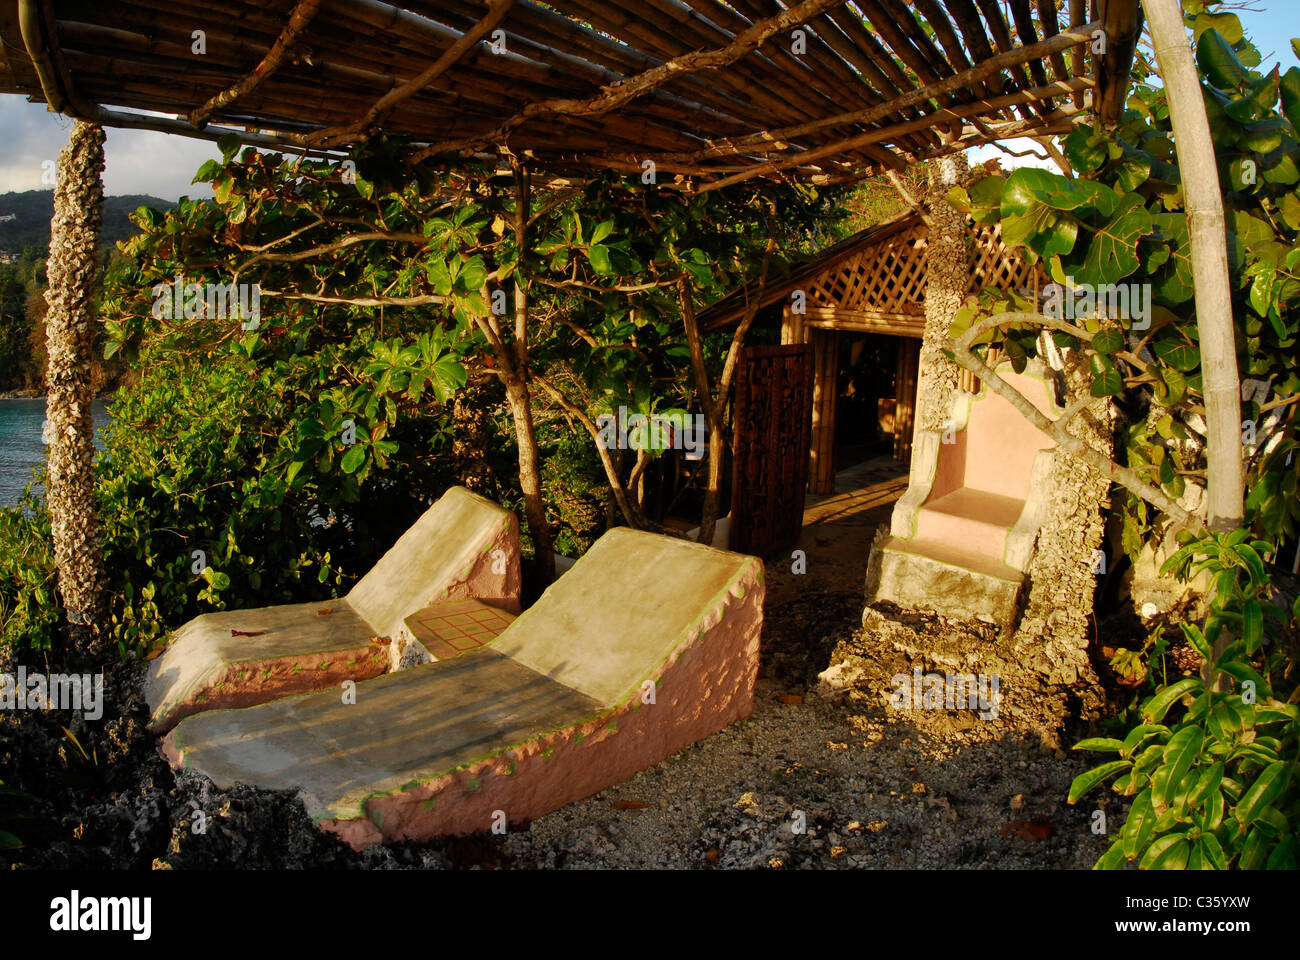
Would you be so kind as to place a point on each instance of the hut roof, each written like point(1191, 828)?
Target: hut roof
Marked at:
point(877, 273)
point(713, 93)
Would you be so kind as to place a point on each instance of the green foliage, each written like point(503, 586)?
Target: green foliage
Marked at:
point(1122, 225)
point(12, 806)
point(292, 448)
point(576, 491)
point(30, 612)
point(1212, 766)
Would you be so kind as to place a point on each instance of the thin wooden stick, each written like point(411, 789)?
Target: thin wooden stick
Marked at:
point(302, 15)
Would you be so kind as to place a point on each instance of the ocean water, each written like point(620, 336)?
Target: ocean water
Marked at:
point(21, 447)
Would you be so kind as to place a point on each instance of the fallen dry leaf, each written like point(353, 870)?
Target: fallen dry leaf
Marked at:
point(1037, 830)
point(156, 652)
point(790, 698)
point(711, 855)
point(631, 805)
point(380, 640)
point(247, 633)
point(324, 611)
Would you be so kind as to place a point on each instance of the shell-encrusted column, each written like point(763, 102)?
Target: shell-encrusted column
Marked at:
point(73, 271)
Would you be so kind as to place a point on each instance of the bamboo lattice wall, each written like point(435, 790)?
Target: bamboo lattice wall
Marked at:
point(889, 278)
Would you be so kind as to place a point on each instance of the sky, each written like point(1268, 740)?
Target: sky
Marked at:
point(163, 165)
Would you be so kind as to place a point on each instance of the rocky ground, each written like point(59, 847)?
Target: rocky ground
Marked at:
point(825, 774)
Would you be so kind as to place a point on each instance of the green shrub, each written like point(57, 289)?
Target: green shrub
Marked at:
point(1213, 770)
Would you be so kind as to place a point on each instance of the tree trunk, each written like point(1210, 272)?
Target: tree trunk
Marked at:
point(530, 478)
point(1203, 199)
point(712, 413)
point(73, 271)
point(1054, 633)
point(516, 381)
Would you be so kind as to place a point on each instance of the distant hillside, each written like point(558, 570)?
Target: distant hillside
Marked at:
point(32, 210)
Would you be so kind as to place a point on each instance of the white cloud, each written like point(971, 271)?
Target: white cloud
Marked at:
point(136, 161)
point(980, 154)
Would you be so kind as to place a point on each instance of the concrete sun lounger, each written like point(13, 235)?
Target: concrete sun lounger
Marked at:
point(462, 546)
point(647, 645)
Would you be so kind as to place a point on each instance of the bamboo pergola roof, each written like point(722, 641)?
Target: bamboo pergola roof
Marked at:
point(713, 93)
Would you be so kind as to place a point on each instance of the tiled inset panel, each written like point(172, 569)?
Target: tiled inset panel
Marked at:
point(449, 628)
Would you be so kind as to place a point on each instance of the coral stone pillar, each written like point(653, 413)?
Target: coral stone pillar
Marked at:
point(73, 272)
point(947, 271)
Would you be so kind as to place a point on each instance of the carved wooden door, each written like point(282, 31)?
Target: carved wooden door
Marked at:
point(770, 470)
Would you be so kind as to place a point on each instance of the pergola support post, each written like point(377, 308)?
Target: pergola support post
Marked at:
point(73, 272)
point(1206, 227)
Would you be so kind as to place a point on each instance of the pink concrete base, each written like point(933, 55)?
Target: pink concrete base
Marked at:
point(250, 682)
point(706, 683)
point(481, 582)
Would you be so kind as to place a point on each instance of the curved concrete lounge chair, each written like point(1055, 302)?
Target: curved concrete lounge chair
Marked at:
point(962, 536)
point(462, 546)
point(647, 645)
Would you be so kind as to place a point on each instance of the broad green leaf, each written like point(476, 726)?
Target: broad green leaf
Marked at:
point(599, 257)
point(1180, 753)
point(353, 459)
point(1227, 24)
point(1177, 352)
point(1112, 254)
point(1266, 788)
point(986, 199)
point(1139, 826)
point(216, 579)
point(1107, 383)
point(1156, 706)
point(1112, 859)
point(1080, 148)
point(1254, 852)
point(1090, 778)
point(1212, 851)
point(228, 144)
point(1290, 86)
point(1108, 341)
point(1215, 57)
point(1167, 853)
point(1252, 625)
point(959, 200)
point(1208, 780)
point(1139, 735)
